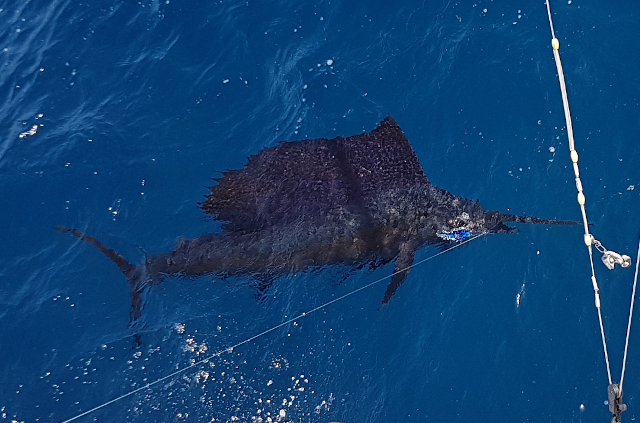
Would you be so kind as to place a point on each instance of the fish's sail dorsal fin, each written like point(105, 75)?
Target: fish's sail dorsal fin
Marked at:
point(306, 180)
point(383, 159)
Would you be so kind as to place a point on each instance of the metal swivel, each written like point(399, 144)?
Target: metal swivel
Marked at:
point(611, 258)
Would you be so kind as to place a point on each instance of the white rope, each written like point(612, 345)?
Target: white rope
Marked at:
point(589, 240)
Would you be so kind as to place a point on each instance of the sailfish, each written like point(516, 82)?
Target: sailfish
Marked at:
point(362, 199)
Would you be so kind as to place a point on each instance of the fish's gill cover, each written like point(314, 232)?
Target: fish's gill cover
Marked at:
point(303, 181)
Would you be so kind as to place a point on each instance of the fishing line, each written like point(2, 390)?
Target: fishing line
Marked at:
point(633, 296)
point(286, 322)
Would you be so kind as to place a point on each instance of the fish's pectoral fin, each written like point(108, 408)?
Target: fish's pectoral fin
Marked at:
point(404, 261)
point(441, 245)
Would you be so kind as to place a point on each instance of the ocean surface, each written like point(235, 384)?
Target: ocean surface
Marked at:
point(129, 108)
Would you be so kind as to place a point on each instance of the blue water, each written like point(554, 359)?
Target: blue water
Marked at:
point(138, 104)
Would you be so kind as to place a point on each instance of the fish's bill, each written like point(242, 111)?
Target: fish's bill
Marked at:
point(530, 219)
point(498, 218)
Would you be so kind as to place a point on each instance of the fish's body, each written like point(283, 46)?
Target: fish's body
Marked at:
point(363, 199)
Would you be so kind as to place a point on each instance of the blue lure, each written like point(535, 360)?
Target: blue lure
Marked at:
point(459, 235)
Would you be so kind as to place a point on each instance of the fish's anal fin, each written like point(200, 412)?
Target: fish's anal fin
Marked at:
point(404, 261)
point(263, 283)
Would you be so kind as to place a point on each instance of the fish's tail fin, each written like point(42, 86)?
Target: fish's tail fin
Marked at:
point(127, 268)
point(134, 274)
